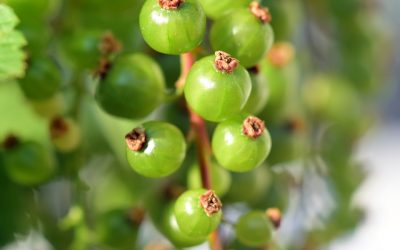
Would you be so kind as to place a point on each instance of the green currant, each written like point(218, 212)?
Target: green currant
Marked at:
point(155, 149)
point(244, 33)
point(172, 27)
point(27, 163)
point(65, 134)
point(259, 92)
point(217, 87)
point(256, 181)
point(42, 79)
point(82, 48)
point(241, 144)
point(254, 229)
point(198, 212)
point(119, 228)
point(132, 88)
point(174, 233)
point(49, 108)
point(216, 9)
point(220, 178)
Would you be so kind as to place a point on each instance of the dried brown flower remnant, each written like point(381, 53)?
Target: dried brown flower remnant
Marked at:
point(170, 4)
point(274, 214)
point(225, 62)
point(260, 12)
point(10, 142)
point(210, 202)
point(136, 139)
point(253, 127)
point(109, 44)
point(103, 67)
point(281, 54)
point(58, 127)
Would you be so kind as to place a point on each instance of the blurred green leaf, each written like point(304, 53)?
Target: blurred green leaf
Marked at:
point(12, 58)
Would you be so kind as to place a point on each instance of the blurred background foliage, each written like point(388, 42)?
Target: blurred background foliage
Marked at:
point(320, 104)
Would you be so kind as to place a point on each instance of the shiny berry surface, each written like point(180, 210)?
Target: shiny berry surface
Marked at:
point(175, 30)
point(161, 153)
point(132, 87)
point(216, 95)
point(191, 215)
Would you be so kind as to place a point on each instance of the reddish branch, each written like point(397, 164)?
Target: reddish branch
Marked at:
point(198, 126)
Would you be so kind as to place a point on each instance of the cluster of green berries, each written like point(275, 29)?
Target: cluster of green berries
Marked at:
point(224, 87)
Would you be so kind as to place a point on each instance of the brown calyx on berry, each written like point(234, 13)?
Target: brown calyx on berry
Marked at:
point(261, 13)
point(225, 62)
point(109, 44)
point(170, 4)
point(281, 54)
point(10, 142)
point(253, 127)
point(275, 216)
point(136, 139)
point(103, 67)
point(136, 215)
point(58, 127)
point(210, 203)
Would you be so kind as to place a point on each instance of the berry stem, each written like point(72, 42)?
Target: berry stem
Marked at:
point(198, 128)
point(187, 60)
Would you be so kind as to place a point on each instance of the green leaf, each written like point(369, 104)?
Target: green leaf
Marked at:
point(12, 58)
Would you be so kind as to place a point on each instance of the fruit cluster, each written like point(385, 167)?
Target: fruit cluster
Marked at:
point(197, 98)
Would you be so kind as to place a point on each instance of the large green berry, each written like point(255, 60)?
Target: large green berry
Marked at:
point(198, 212)
point(254, 229)
point(172, 27)
point(132, 88)
point(217, 87)
point(216, 9)
point(220, 178)
point(155, 149)
point(244, 33)
point(172, 231)
point(259, 92)
point(27, 163)
point(42, 79)
point(241, 144)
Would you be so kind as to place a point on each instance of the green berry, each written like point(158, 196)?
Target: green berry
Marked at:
point(217, 9)
point(65, 134)
point(220, 178)
point(244, 33)
point(241, 144)
point(27, 163)
point(119, 228)
point(172, 27)
point(155, 149)
point(132, 87)
point(259, 92)
point(42, 79)
point(198, 212)
point(254, 229)
point(256, 181)
point(174, 234)
point(49, 108)
point(217, 87)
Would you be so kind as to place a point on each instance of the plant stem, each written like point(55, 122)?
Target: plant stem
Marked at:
point(198, 128)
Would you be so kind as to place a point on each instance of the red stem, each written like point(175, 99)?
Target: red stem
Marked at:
point(198, 127)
